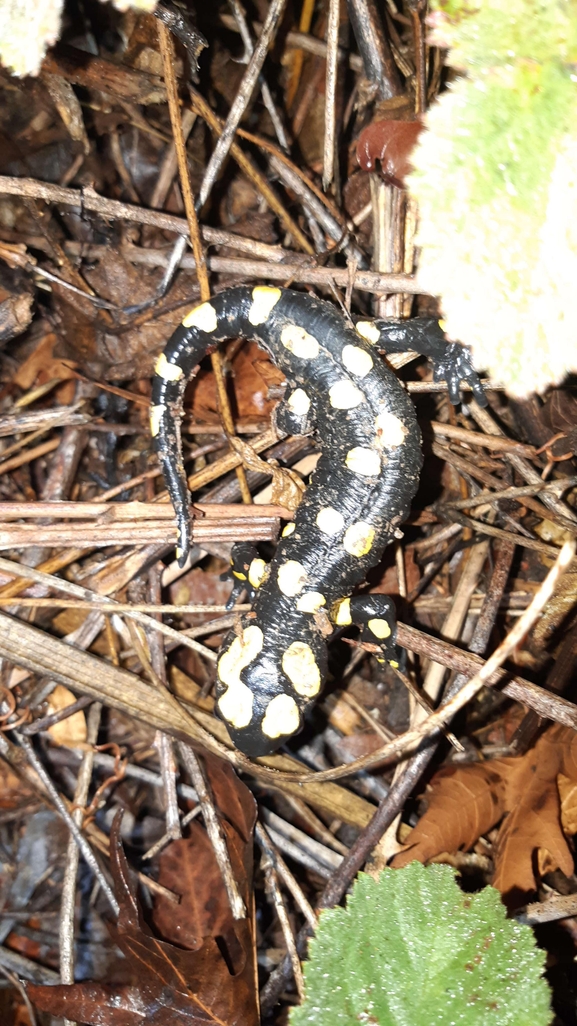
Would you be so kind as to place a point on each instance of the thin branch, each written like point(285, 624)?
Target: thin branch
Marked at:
point(16, 570)
point(87, 199)
point(242, 99)
point(491, 481)
point(127, 607)
point(488, 425)
point(495, 442)
point(374, 48)
point(68, 896)
point(214, 830)
point(62, 809)
point(285, 273)
point(240, 24)
point(331, 93)
point(276, 899)
point(408, 741)
point(286, 876)
point(515, 492)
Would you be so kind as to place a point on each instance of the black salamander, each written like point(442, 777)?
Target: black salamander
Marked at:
point(273, 666)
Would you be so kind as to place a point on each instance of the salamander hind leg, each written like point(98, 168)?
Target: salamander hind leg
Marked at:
point(375, 615)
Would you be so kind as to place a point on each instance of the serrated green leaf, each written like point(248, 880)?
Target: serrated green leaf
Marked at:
point(411, 949)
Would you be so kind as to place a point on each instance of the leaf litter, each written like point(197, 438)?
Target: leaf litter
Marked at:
point(83, 362)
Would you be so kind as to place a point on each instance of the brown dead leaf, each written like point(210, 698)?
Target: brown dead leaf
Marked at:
point(71, 731)
point(253, 376)
point(173, 986)
point(42, 365)
point(188, 867)
point(466, 801)
point(533, 822)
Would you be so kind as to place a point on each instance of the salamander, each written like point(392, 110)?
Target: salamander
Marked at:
point(272, 666)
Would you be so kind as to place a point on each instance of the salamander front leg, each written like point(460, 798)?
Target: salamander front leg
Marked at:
point(424, 335)
point(247, 571)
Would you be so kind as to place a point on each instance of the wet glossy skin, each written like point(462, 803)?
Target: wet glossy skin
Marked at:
point(274, 664)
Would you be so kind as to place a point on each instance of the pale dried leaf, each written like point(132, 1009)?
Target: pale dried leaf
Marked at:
point(70, 732)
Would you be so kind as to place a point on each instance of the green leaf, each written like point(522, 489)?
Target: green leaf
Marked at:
point(411, 949)
point(496, 183)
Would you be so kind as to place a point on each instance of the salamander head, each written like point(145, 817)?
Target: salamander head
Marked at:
point(263, 690)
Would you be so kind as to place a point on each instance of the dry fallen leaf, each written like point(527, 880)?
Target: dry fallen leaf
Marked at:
point(288, 486)
point(174, 986)
point(71, 731)
point(466, 801)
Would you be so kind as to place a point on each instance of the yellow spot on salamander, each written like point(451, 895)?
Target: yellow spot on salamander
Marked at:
point(287, 530)
point(299, 664)
point(264, 299)
point(202, 317)
point(369, 331)
point(238, 575)
point(310, 602)
point(257, 572)
point(358, 538)
point(341, 612)
point(357, 360)
point(365, 462)
point(167, 371)
point(330, 521)
point(394, 664)
point(299, 403)
point(391, 431)
point(345, 396)
point(299, 342)
point(281, 717)
point(236, 703)
point(156, 415)
point(292, 577)
point(380, 628)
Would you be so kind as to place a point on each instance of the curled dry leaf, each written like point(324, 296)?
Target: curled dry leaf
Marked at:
point(288, 486)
